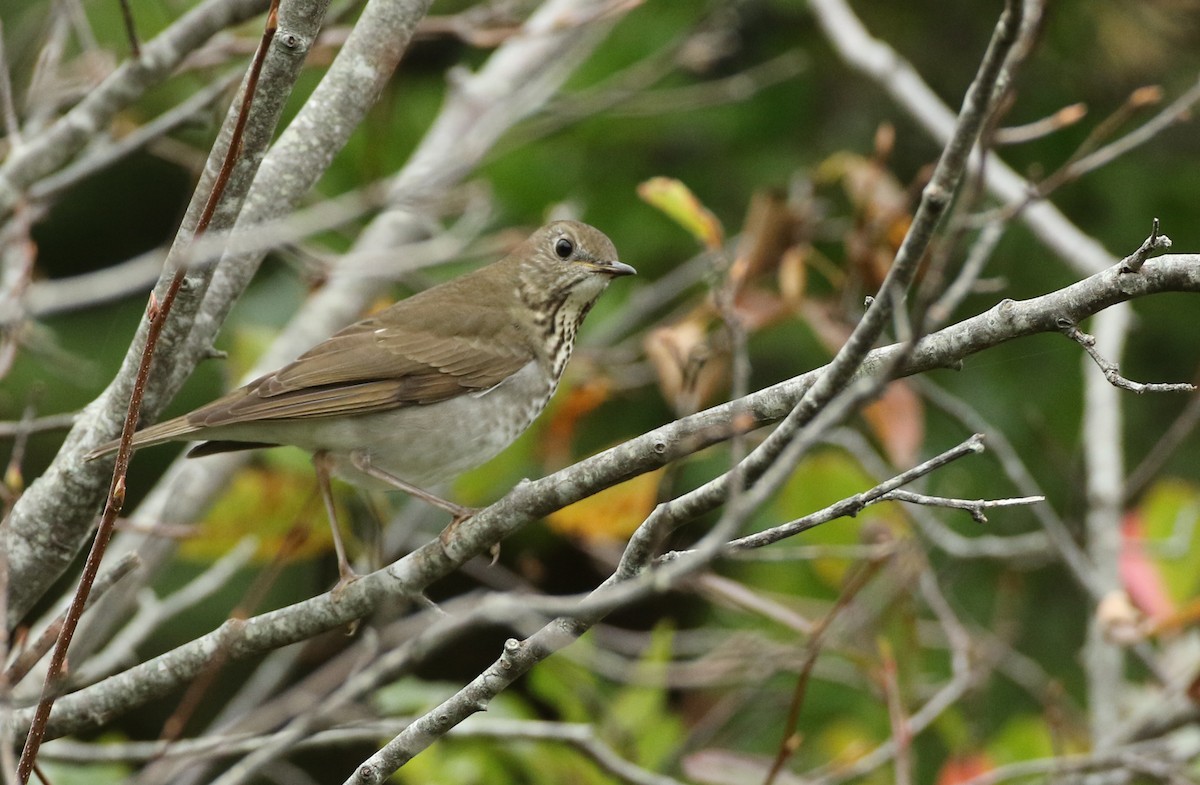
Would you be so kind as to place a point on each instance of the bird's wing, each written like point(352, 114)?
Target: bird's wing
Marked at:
point(376, 365)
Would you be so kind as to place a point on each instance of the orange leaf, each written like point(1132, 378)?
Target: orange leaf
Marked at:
point(757, 308)
point(690, 369)
point(579, 401)
point(766, 233)
point(898, 420)
point(963, 768)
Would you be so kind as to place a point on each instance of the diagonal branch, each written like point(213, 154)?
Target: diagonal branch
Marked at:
point(948, 347)
point(51, 521)
point(54, 146)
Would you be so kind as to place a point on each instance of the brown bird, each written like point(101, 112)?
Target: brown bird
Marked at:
point(426, 389)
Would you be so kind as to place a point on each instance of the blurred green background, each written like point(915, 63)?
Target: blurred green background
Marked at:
point(1091, 51)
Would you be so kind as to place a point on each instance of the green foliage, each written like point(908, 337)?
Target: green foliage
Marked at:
point(726, 152)
point(634, 718)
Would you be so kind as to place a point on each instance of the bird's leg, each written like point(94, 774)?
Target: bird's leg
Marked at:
point(346, 574)
point(362, 462)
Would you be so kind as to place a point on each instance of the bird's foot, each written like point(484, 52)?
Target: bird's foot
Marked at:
point(461, 515)
point(346, 576)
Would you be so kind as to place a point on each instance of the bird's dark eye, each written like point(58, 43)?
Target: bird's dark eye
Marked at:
point(564, 248)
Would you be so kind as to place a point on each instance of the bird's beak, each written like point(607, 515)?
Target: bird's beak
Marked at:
point(613, 268)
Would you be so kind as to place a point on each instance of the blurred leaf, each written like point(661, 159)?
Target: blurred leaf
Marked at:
point(767, 234)
point(411, 696)
point(611, 515)
point(565, 685)
point(675, 199)
point(270, 502)
point(84, 774)
point(640, 714)
point(897, 419)
point(881, 206)
point(793, 275)
point(1159, 534)
point(1023, 737)
point(844, 741)
point(1140, 573)
point(757, 308)
point(962, 768)
point(691, 371)
point(571, 406)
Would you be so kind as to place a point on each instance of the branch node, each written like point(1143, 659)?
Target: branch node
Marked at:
point(293, 42)
point(512, 647)
point(1156, 241)
point(1110, 369)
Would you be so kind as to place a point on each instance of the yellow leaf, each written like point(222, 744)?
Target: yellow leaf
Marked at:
point(273, 501)
point(612, 514)
point(681, 205)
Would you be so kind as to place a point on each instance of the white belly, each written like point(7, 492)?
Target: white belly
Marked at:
point(422, 445)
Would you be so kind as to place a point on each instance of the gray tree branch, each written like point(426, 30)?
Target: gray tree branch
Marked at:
point(406, 578)
point(52, 520)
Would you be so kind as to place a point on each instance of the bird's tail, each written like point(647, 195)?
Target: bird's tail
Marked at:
point(169, 431)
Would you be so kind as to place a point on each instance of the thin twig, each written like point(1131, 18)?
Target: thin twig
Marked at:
point(531, 500)
point(1155, 242)
point(135, 48)
point(35, 651)
point(108, 154)
point(1141, 97)
point(1021, 134)
point(854, 504)
point(152, 613)
point(1176, 111)
point(974, 506)
point(578, 736)
point(49, 422)
point(1111, 370)
point(53, 146)
point(853, 585)
point(158, 314)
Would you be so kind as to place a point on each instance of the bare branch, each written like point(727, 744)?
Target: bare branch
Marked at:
point(34, 652)
point(536, 499)
point(52, 147)
point(1154, 242)
point(855, 504)
point(974, 506)
point(52, 519)
point(1111, 371)
point(1063, 118)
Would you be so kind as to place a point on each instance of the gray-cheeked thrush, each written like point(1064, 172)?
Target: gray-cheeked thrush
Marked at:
point(426, 389)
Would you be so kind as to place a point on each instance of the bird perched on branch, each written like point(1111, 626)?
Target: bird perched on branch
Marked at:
point(426, 389)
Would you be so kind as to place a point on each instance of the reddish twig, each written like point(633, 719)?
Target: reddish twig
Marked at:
point(135, 48)
point(35, 651)
point(157, 314)
point(202, 685)
point(791, 739)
